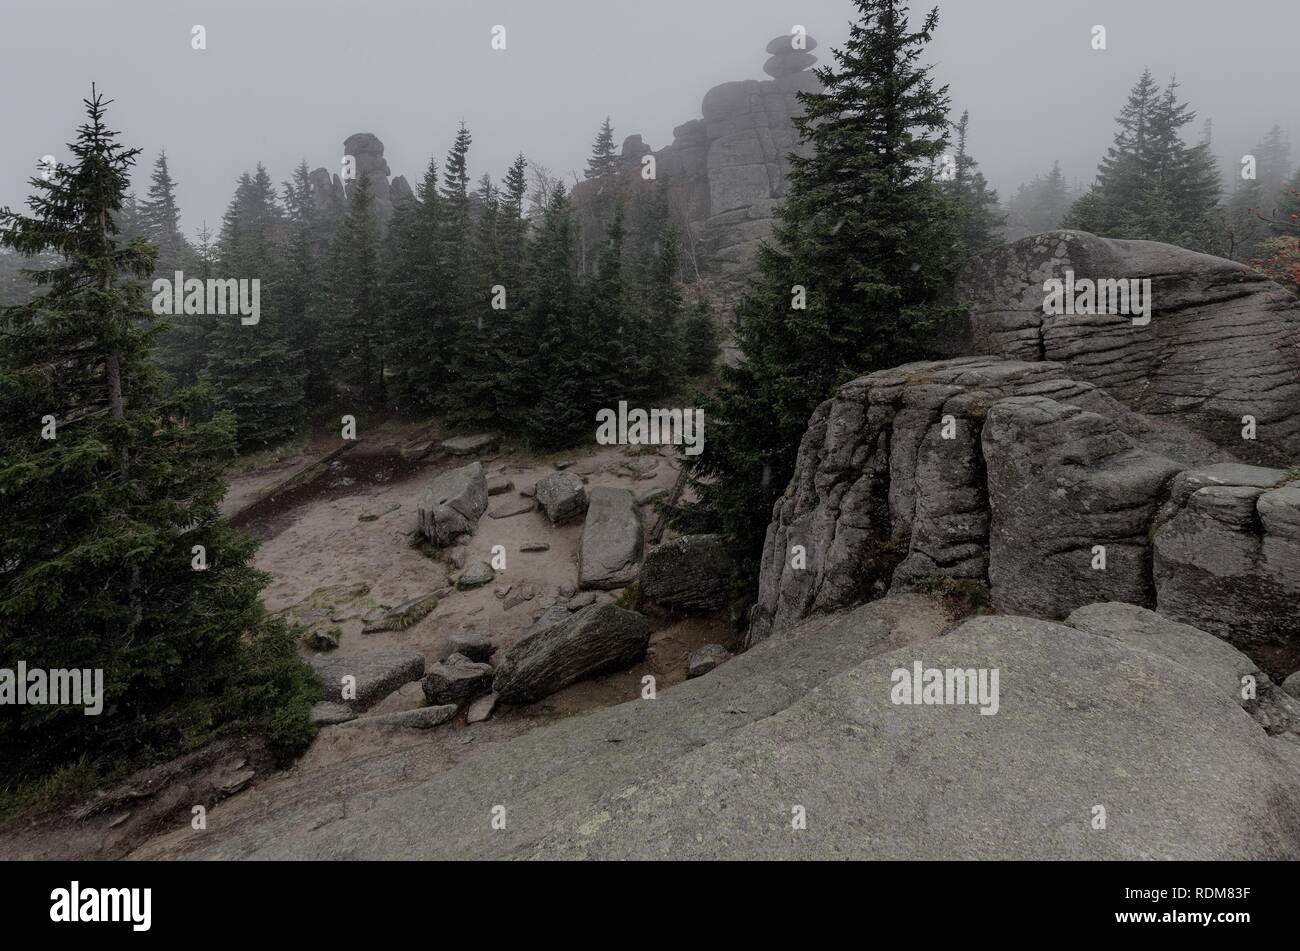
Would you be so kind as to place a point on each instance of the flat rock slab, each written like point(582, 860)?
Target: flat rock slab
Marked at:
point(469, 445)
point(499, 484)
point(327, 713)
point(377, 675)
point(453, 504)
point(423, 718)
point(505, 508)
point(593, 641)
point(562, 496)
point(609, 554)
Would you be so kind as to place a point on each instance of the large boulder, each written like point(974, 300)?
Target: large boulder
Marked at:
point(590, 642)
point(1227, 553)
point(1071, 499)
point(562, 496)
point(690, 573)
point(1222, 341)
point(453, 504)
point(1003, 476)
point(714, 767)
point(609, 553)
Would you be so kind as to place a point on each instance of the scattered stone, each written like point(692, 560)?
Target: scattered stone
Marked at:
point(357, 610)
point(481, 709)
point(404, 615)
point(528, 491)
point(475, 576)
point(562, 497)
point(453, 504)
point(457, 556)
point(705, 659)
point(376, 675)
point(581, 600)
point(324, 639)
point(469, 445)
point(609, 554)
point(690, 573)
point(236, 782)
point(471, 644)
point(327, 713)
point(457, 680)
point(534, 546)
point(594, 641)
point(374, 515)
point(499, 483)
point(510, 507)
point(566, 590)
point(421, 718)
point(519, 594)
point(563, 464)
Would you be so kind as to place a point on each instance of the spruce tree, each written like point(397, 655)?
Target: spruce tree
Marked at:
point(257, 369)
point(861, 255)
point(556, 375)
point(605, 198)
point(460, 294)
point(110, 482)
point(515, 343)
point(980, 223)
point(356, 336)
point(478, 357)
point(416, 300)
point(701, 339)
point(160, 221)
point(301, 298)
point(1151, 185)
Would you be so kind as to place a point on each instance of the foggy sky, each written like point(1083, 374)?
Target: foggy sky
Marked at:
point(283, 80)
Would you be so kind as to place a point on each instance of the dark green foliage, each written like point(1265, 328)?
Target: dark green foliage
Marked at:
point(1151, 185)
point(701, 339)
point(869, 236)
point(257, 370)
point(101, 521)
point(355, 336)
point(979, 221)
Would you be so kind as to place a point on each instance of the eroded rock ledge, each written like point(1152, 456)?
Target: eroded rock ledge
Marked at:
point(1042, 491)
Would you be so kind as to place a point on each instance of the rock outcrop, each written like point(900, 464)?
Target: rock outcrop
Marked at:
point(1002, 475)
point(1222, 341)
point(1227, 553)
point(456, 680)
point(330, 192)
point(609, 553)
point(1106, 710)
point(596, 640)
point(453, 504)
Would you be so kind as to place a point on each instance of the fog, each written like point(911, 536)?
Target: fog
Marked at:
point(286, 81)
